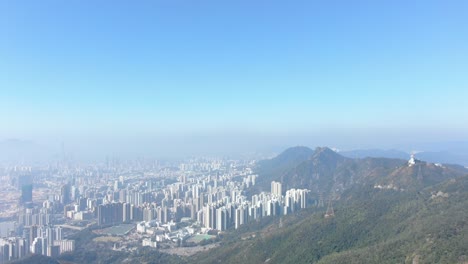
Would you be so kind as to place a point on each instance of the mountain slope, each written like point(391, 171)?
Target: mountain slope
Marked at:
point(445, 156)
point(289, 158)
point(297, 167)
point(371, 225)
point(274, 168)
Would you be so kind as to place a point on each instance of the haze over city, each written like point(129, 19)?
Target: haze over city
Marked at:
point(247, 131)
point(178, 78)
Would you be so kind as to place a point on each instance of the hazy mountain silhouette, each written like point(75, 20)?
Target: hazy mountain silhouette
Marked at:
point(326, 171)
point(442, 152)
point(375, 153)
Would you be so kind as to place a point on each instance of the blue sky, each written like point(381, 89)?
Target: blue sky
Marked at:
point(296, 72)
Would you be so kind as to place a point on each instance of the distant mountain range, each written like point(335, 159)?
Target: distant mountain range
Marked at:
point(17, 151)
point(325, 171)
point(375, 153)
point(454, 155)
point(445, 157)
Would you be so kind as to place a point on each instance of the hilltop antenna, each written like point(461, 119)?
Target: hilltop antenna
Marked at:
point(330, 212)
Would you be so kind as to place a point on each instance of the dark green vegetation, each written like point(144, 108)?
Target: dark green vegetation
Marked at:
point(36, 259)
point(419, 213)
point(278, 166)
point(370, 226)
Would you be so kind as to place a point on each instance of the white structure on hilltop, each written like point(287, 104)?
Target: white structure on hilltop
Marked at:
point(412, 160)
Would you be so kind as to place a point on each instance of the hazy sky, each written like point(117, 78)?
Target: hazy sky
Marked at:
point(233, 74)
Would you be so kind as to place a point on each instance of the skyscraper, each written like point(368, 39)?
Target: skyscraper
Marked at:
point(26, 193)
point(65, 194)
point(25, 185)
point(276, 188)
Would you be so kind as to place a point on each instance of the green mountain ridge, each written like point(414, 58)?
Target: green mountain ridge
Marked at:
point(371, 225)
point(386, 211)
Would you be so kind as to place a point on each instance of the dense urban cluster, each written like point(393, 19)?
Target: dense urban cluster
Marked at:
point(143, 203)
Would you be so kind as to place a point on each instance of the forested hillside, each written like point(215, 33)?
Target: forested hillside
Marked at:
point(370, 225)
